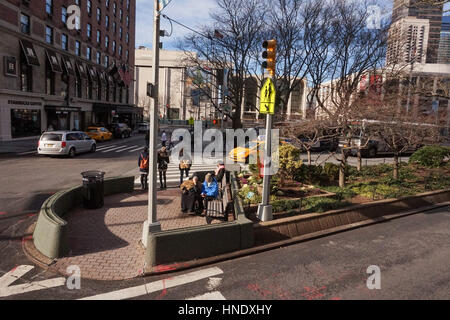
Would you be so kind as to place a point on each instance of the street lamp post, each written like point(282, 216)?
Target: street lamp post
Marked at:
point(152, 224)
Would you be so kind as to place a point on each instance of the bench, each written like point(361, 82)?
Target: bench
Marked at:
point(221, 207)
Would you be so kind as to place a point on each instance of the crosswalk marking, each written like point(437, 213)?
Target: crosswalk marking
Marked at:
point(159, 285)
point(106, 147)
point(7, 279)
point(140, 148)
point(173, 173)
point(127, 148)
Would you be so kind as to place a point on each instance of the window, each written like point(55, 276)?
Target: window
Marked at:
point(64, 14)
point(64, 42)
point(114, 8)
point(26, 75)
point(89, 7)
point(25, 123)
point(78, 86)
point(25, 23)
point(107, 22)
point(128, 4)
point(120, 15)
point(107, 3)
point(49, 6)
point(98, 57)
point(49, 79)
point(127, 37)
point(128, 21)
point(120, 33)
point(106, 42)
point(49, 34)
point(114, 46)
point(106, 64)
point(120, 51)
point(89, 30)
point(89, 53)
point(77, 48)
point(99, 15)
point(127, 55)
point(99, 36)
point(114, 27)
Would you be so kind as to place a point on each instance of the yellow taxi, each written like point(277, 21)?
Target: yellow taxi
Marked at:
point(99, 133)
point(242, 154)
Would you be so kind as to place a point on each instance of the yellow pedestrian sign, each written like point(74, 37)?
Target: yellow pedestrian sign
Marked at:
point(267, 104)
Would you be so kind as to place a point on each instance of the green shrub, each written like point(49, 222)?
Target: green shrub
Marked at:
point(310, 174)
point(289, 160)
point(430, 156)
point(331, 170)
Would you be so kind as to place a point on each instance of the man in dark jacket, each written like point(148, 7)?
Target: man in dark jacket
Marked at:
point(163, 163)
point(143, 168)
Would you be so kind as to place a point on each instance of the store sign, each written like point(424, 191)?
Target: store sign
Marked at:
point(24, 103)
point(10, 66)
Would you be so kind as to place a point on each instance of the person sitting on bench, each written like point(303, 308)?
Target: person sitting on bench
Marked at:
point(191, 199)
point(210, 190)
point(219, 172)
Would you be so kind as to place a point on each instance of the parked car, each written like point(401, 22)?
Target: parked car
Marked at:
point(65, 143)
point(370, 148)
point(99, 133)
point(120, 130)
point(143, 127)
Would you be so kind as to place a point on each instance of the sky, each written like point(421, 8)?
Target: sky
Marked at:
point(192, 13)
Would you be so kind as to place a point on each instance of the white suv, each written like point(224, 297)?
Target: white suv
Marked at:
point(65, 143)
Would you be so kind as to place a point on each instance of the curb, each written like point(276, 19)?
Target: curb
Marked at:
point(164, 269)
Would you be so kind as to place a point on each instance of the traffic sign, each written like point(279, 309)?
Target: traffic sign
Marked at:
point(267, 104)
point(163, 4)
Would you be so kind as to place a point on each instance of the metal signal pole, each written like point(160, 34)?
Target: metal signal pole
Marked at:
point(152, 224)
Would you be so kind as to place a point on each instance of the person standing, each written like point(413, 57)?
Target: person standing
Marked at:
point(163, 138)
point(184, 165)
point(163, 163)
point(143, 168)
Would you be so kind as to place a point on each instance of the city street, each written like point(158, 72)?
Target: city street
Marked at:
point(411, 252)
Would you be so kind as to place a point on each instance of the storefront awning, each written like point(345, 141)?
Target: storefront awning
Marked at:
point(53, 61)
point(92, 73)
point(68, 66)
point(29, 53)
point(102, 76)
point(81, 70)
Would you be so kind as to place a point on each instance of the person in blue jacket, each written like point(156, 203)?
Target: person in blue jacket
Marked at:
point(210, 189)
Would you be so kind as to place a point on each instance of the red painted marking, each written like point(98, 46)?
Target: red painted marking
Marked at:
point(313, 293)
point(2, 213)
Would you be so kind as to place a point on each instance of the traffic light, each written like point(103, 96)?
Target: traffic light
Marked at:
point(270, 55)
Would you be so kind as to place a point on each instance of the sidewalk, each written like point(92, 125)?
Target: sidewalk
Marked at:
point(19, 146)
point(105, 243)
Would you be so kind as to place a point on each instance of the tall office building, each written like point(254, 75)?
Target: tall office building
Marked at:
point(419, 10)
point(54, 75)
point(444, 44)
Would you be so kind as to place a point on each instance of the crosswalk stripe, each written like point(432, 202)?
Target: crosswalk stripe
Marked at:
point(157, 285)
point(106, 147)
point(215, 295)
point(127, 148)
point(136, 149)
point(114, 149)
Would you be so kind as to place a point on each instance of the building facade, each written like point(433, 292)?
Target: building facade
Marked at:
point(55, 76)
point(444, 44)
point(420, 10)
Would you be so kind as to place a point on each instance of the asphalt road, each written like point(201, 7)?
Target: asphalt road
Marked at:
point(412, 254)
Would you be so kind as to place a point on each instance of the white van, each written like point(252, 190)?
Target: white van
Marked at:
point(65, 143)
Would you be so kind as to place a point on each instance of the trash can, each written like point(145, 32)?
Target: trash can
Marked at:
point(93, 189)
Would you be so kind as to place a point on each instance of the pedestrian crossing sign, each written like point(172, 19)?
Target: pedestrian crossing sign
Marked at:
point(267, 104)
point(162, 4)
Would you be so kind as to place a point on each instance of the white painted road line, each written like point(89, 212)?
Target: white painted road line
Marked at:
point(106, 147)
point(157, 285)
point(7, 290)
point(127, 148)
point(215, 295)
point(113, 149)
point(136, 149)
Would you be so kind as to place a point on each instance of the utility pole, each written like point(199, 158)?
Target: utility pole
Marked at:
point(267, 106)
point(152, 224)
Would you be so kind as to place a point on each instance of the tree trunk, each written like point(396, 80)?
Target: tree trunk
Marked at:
point(309, 157)
point(396, 166)
point(359, 163)
point(342, 169)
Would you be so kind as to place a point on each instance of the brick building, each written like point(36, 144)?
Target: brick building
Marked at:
point(53, 75)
